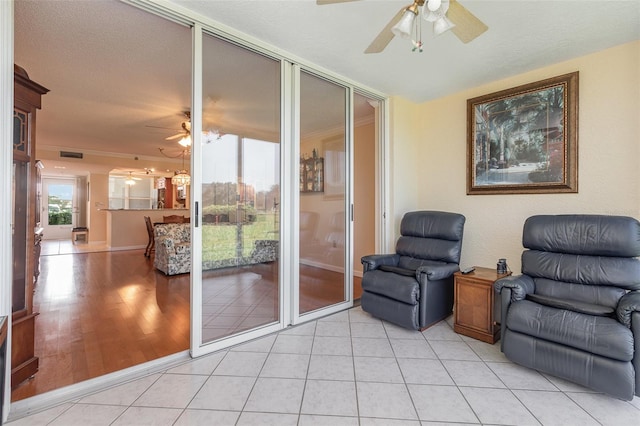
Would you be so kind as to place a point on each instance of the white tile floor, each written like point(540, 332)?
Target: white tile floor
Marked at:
point(347, 369)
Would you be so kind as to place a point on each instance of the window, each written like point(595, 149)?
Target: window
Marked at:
point(140, 195)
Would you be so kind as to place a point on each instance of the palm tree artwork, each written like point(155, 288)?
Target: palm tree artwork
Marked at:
point(520, 139)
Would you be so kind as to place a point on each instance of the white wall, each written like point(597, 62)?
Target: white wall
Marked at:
point(429, 157)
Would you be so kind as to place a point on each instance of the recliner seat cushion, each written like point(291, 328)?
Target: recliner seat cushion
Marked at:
point(572, 305)
point(394, 286)
point(599, 335)
point(604, 295)
point(398, 270)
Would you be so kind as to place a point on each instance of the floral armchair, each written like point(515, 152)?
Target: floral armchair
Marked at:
point(173, 248)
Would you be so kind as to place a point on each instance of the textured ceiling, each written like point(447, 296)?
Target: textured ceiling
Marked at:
point(523, 35)
point(115, 71)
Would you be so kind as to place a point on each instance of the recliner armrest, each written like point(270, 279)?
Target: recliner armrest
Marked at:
point(436, 272)
point(627, 305)
point(520, 286)
point(373, 261)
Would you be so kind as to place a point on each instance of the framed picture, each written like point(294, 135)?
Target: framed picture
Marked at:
point(524, 140)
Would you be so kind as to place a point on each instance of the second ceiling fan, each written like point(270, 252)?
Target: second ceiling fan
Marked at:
point(185, 134)
point(445, 15)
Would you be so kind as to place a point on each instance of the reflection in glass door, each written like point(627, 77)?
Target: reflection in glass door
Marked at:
point(240, 191)
point(323, 277)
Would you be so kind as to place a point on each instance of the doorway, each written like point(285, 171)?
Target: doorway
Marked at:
point(257, 199)
point(59, 208)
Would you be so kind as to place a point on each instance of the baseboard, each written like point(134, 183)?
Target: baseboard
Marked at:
point(55, 397)
point(124, 248)
point(333, 268)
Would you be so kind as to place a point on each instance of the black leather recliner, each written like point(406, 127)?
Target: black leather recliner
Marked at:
point(575, 310)
point(413, 288)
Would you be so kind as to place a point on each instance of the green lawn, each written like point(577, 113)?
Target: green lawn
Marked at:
point(219, 241)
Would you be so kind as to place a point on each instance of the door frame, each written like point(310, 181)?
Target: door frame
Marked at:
point(296, 316)
point(6, 134)
point(49, 230)
point(198, 347)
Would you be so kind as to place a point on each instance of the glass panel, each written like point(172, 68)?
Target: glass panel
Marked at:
point(116, 192)
point(60, 201)
point(323, 184)
point(139, 195)
point(20, 130)
point(20, 228)
point(240, 190)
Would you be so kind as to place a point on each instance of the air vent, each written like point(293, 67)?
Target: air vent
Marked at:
point(69, 154)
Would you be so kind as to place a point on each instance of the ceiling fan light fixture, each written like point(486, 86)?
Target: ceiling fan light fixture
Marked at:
point(185, 141)
point(129, 180)
point(442, 25)
point(434, 5)
point(404, 26)
point(432, 15)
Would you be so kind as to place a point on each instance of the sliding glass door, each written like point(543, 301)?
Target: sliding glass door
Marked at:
point(324, 222)
point(239, 159)
point(272, 196)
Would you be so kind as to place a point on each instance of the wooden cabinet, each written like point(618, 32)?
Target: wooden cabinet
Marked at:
point(25, 238)
point(312, 174)
point(474, 301)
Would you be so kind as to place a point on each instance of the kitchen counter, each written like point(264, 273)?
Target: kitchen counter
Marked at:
point(126, 229)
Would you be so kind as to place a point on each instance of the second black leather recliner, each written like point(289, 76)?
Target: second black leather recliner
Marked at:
point(574, 312)
point(413, 288)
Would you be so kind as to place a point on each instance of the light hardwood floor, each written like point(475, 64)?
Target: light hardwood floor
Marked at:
point(105, 311)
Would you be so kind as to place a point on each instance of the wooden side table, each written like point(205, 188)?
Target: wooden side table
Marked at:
point(473, 308)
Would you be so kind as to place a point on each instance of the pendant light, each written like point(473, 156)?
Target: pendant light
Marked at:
point(181, 177)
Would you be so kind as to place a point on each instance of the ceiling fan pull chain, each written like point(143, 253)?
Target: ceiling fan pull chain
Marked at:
point(417, 43)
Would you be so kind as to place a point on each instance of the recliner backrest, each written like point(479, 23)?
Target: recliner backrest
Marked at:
point(590, 258)
point(428, 236)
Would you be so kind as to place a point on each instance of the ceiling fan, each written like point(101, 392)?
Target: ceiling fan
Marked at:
point(131, 180)
point(185, 134)
point(445, 15)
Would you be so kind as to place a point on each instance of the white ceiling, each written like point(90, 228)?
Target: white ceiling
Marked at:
point(115, 71)
point(523, 35)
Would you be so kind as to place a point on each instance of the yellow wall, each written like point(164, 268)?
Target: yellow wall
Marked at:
point(364, 192)
point(406, 162)
point(98, 200)
point(429, 158)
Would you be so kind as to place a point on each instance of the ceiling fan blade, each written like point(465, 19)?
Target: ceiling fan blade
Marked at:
point(160, 127)
point(321, 2)
point(179, 135)
point(385, 36)
point(467, 26)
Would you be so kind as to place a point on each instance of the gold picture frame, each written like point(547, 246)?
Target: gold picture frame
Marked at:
point(524, 140)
